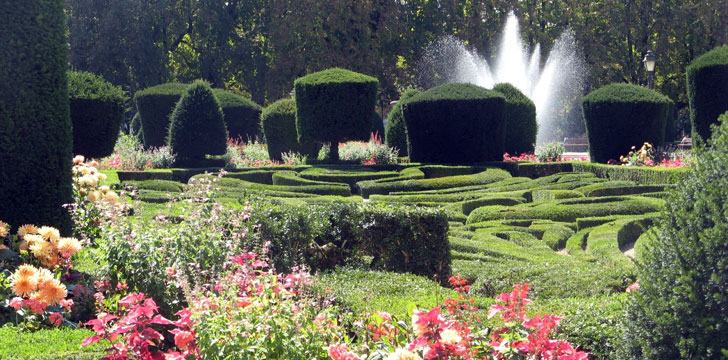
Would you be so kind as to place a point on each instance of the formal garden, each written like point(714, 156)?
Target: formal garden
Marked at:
point(183, 220)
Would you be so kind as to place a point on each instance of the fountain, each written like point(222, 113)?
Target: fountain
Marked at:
point(555, 88)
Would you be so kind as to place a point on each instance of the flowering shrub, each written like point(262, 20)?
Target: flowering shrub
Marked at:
point(40, 297)
point(129, 154)
point(134, 334)
point(550, 152)
point(255, 154)
point(648, 156)
point(93, 205)
point(371, 152)
point(523, 157)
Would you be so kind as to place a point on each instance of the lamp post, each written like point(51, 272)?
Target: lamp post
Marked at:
point(650, 60)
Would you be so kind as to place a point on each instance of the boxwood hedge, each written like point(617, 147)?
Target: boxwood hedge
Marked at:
point(154, 105)
point(619, 116)
point(97, 109)
point(455, 123)
point(707, 78)
point(395, 134)
point(520, 120)
point(242, 115)
point(279, 126)
point(385, 187)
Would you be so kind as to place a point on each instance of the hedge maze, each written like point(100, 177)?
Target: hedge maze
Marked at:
point(570, 234)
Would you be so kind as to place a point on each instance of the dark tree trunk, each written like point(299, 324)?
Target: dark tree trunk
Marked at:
point(334, 152)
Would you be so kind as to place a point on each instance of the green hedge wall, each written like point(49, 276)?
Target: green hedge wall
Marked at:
point(520, 119)
point(395, 134)
point(619, 116)
point(707, 78)
point(335, 105)
point(279, 126)
point(97, 110)
point(35, 125)
point(154, 105)
point(242, 115)
point(639, 174)
point(455, 123)
point(197, 126)
point(386, 187)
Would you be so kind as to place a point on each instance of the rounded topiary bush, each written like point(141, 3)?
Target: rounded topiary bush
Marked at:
point(708, 89)
point(97, 110)
point(455, 123)
point(279, 126)
point(35, 127)
point(154, 105)
point(619, 116)
point(680, 310)
point(242, 115)
point(197, 127)
point(335, 105)
point(520, 118)
point(395, 135)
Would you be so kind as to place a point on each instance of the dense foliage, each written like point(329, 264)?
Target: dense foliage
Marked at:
point(154, 105)
point(279, 126)
point(520, 119)
point(455, 123)
point(707, 85)
point(619, 116)
point(35, 125)
point(197, 125)
point(395, 134)
point(679, 311)
point(335, 105)
point(97, 110)
point(242, 115)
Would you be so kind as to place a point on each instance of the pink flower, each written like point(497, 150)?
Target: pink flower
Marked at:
point(66, 304)
point(171, 272)
point(341, 352)
point(16, 303)
point(56, 319)
point(183, 339)
point(633, 287)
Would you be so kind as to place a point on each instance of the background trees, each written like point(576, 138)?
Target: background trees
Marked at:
point(259, 47)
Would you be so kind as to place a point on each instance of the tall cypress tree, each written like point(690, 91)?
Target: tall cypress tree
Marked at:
point(35, 126)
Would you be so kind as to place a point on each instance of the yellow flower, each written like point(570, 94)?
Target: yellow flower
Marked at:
point(111, 197)
point(69, 246)
point(41, 249)
point(94, 196)
point(49, 233)
point(101, 176)
point(450, 337)
point(87, 180)
point(23, 286)
point(104, 188)
point(403, 354)
point(25, 270)
point(27, 229)
point(43, 275)
point(4, 229)
point(51, 292)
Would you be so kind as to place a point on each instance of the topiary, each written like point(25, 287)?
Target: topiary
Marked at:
point(154, 105)
point(97, 109)
point(35, 126)
point(279, 126)
point(395, 135)
point(196, 125)
point(680, 310)
point(335, 105)
point(455, 123)
point(707, 78)
point(619, 116)
point(242, 115)
point(135, 127)
point(520, 120)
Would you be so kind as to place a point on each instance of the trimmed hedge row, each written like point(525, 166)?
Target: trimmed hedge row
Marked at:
point(347, 177)
point(550, 195)
point(707, 83)
point(619, 116)
point(318, 189)
point(638, 174)
point(455, 123)
point(520, 120)
point(395, 134)
point(616, 188)
point(279, 126)
point(485, 177)
point(242, 115)
point(97, 109)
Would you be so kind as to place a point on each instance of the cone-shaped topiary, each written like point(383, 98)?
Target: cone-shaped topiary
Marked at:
point(335, 105)
point(35, 126)
point(395, 135)
point(619, 116)
point(97, 109)
point(279, 126)
point(455, 123)
point(708, 89)
point(520, 120)
point(197, 127)
point(242, 115)
point(154, 105)
point(680, 310)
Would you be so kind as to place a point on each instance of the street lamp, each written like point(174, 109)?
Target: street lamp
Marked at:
point(650, 60)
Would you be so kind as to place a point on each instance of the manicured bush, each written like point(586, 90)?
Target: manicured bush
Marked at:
point(144, 175)
point(242, 115)
point(157, 185)
point(520, 119)
point(455, 123)
point(35, 126)
point(619, 116)
point(335, 105)
point(639, 174)
point(386, 187)
point(154, 106)
point(97, 109)
point(312, 188)
point(346, 177)
point(279, 126)
point(707, 88)
point(197, 126)
point(395, 135)
point(680, 310)
point(135, 127)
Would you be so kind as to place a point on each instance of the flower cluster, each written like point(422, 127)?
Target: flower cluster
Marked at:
point(38, 285)
point(520, 158)
point(86, 177)
point(370, 152)
point(130, 154)
point(641, 157)
point(47, 245)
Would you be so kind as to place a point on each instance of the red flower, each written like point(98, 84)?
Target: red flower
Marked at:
point(56, 319)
